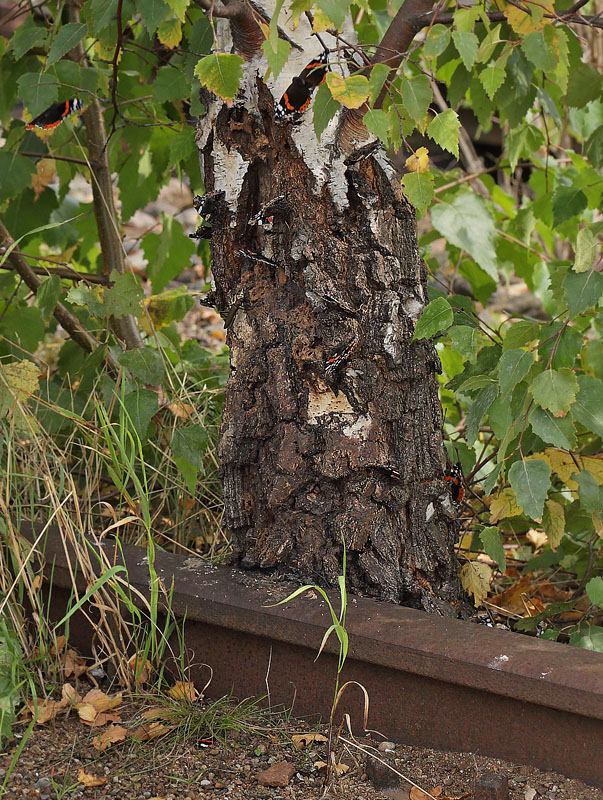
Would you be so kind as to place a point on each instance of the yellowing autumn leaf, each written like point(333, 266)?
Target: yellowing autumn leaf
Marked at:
point(184, 691)
point(169, 33)
point(46, 169)
point(475, 579)
point(523, 22)
point(90, 780)
point(351, 92)
point(301, 740)
point(504, 505)
point(419, 161)
point(565, 465)
point(115, 733)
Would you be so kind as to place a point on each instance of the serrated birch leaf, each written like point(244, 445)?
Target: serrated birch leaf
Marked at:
point(351, 92)
point(221, 73)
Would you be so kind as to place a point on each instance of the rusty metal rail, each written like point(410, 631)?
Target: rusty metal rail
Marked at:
point(432, 681)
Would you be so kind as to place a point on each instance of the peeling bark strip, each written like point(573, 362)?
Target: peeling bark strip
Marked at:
point(313, 450)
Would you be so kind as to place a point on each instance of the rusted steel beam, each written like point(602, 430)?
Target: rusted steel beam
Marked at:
point(433, 681)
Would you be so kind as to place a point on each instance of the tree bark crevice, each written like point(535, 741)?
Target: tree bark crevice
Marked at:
point(315, 451)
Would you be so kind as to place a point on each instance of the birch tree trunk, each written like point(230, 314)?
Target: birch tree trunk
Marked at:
point(312, 456)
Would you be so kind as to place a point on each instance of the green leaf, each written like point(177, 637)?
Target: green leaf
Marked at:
point(48, 296)
point(418, 187)
point(189, 472)
point(568, 201)
point(594, 591)
point(467, 44)
point(562, 345)
point(592, 357)
point(513, 366)
point(140, 406)
point(586, 250)
point(444, 130)
point(37, 91)
point(593, 147)
point(537, 49)
point(18, 381)
point(588, 408)
point(221, 73)
point(351, 92)
point(124, 297)
point(484, 399)
point(492, 78)
point(584, 85)
point(168, 253)
point(436, 41)
point(488, 45)
point(170, 84)
point(182, 144)
point(377, 123)
point(559, 431)
point(190, 443)
point(179, 8)
point(276, 58)
point(493, 545)
point(466, 340)
point(436, 317)
point(555, 390)
point(520, 333)
point(26, 36)
point(590, 493)
point(17, 173)
point(522, 142)
point(377, 78)
point(467, 223)
point(153, 12)
point(552, 610)
point(143, 363)
point(582, 290)
point(416, 96)
point(91, 299)
point(68, 36)
point(588, 637)
point(531, 480)
point(335, 10)
point(324, 109)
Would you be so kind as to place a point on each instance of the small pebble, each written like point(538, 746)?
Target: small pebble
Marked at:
point(387, 747)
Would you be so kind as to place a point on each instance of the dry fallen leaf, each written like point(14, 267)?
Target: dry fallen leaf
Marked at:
point(158, 712)
point(70, 695)
point(47, 709)
point(417, 794)
point(74, 664)
point(151, 731)
point(537, 538)
point(101, 701)
point(87, 712)
point(103, 718)
point(59, 646)
point(184, 691)
point(301, 740)
point(142, 672)
point(115, 733)
point(90, 780)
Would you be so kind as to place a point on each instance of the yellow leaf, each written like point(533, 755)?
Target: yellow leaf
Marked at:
point(21, 377)
point(598, 524)
point(184, 691)
point(115, 733)
point(553, 520)
point(419, 161)
point(90, 780)
point(46, 169)
point(169, 33)
point(351, 92)
point(321, 21)
point(537, 538)
point(565, 465)
point(524, 23)
point(475, 579)
point(504, 505)
point(301, 740)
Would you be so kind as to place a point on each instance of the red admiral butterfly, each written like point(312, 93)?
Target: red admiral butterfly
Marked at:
point(457, 489)
point(298, 95)
point(338, 358)
point(55, 114)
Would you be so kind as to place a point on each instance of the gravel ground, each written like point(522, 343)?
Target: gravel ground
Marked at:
point(168, 769)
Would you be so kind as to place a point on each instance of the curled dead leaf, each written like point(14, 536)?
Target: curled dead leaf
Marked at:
point(87, 712)
point(59, 645)
point(70, 695)
point(47, 709)
point(151, 731)
point(73, 664)
point(115, 733)
point(141, 672)
point(103, 718)
point(102, 701)
point(90, 780)
point(182, 690)
point(158, 712)
point(301, 740)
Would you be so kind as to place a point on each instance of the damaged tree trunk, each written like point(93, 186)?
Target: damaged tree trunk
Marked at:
point(331, 427)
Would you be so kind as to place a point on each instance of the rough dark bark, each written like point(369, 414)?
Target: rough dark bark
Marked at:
point(310, 456)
